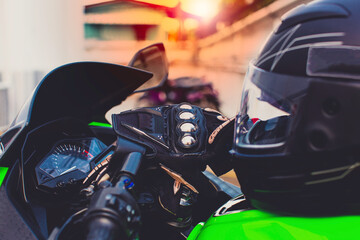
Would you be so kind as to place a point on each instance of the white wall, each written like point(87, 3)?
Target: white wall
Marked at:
point(35, 37)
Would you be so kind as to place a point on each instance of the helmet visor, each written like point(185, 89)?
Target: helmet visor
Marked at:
point(269, 103)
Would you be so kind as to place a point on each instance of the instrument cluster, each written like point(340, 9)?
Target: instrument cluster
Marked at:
point(70, 161)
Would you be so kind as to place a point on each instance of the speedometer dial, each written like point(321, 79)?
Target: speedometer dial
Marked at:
point(69, 156)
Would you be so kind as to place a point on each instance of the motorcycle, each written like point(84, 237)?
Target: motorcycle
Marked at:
point(69, 174)
point(193, 90)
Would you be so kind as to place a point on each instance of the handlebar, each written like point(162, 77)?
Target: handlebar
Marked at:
point(102, 228)
point(113, 213)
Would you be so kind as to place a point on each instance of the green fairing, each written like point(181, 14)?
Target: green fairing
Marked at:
point(256, 224)
point(99, 124)
point(3, 171)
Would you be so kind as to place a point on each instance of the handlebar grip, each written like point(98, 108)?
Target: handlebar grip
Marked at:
point(103, 228)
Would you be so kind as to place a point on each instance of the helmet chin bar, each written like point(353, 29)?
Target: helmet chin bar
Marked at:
point(288, 185)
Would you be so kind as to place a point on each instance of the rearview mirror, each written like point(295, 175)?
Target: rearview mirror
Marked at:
point(152, 59)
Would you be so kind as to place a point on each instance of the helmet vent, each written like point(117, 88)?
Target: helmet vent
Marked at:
point(318, 140)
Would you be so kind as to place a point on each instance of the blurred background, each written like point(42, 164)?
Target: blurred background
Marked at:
point(211, 40)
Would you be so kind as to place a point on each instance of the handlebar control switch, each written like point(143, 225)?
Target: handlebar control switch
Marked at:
point(113, 212)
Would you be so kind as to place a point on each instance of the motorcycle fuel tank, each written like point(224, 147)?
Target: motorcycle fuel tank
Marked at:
point(256, 224)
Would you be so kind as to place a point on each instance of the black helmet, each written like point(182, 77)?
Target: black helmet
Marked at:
point(297, 135)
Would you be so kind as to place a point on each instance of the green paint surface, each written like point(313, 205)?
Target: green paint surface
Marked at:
point(3, 171)
point(256, 224)
point(99, 124)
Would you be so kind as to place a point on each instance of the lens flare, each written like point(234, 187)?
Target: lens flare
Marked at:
point(203, 8)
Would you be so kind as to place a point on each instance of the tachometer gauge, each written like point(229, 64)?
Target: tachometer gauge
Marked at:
point(69, 160)
point(67, 157)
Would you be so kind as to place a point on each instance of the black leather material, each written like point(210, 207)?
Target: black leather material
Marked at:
point(158, 129)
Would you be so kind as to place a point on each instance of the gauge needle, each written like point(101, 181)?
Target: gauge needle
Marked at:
point(70, 169)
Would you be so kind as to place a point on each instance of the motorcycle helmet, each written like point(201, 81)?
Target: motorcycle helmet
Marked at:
point(297, 136)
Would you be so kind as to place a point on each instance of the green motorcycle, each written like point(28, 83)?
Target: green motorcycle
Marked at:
point(239, 222)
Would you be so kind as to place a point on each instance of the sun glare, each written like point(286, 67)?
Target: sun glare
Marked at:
point(203, 8)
